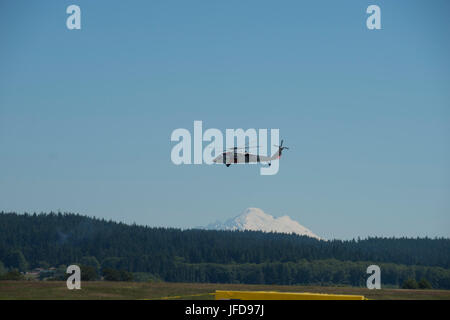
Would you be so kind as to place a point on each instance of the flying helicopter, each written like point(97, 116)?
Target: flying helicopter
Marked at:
point(233, 155)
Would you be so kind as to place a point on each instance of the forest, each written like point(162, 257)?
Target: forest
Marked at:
point(119, 251)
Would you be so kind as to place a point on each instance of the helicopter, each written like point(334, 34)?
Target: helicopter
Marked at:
point(232, 155)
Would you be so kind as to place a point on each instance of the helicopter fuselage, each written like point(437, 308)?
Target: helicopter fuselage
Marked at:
point(229, 158)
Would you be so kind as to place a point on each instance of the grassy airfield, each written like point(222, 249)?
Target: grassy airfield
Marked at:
point(57, 290)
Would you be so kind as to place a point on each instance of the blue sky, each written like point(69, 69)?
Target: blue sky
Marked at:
point(86, 115)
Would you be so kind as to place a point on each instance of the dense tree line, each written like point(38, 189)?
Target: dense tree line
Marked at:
point(32, 240)
point(317, 272)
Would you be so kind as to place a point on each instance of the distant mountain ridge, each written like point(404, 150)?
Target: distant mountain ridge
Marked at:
point(255, 219)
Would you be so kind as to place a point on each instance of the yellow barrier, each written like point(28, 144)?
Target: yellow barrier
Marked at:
point(272, 295)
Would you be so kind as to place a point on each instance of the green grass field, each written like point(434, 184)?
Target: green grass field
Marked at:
point(45, 290)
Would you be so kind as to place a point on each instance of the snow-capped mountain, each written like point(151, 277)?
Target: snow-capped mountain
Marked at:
point(257, 220)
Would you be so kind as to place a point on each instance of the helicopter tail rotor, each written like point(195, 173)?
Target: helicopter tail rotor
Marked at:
point(281, 148)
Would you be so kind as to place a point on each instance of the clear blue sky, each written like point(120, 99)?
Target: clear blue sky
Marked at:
point(86, 115)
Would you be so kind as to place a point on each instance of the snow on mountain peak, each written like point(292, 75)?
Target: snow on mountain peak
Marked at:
point(256, 219)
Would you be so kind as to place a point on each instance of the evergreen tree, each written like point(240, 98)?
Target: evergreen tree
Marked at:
point(17, 260)
point(90, 261)
point(424, 284)
point(3, 269)
point(12, 275)
point(88, 273)
point(410, 284)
